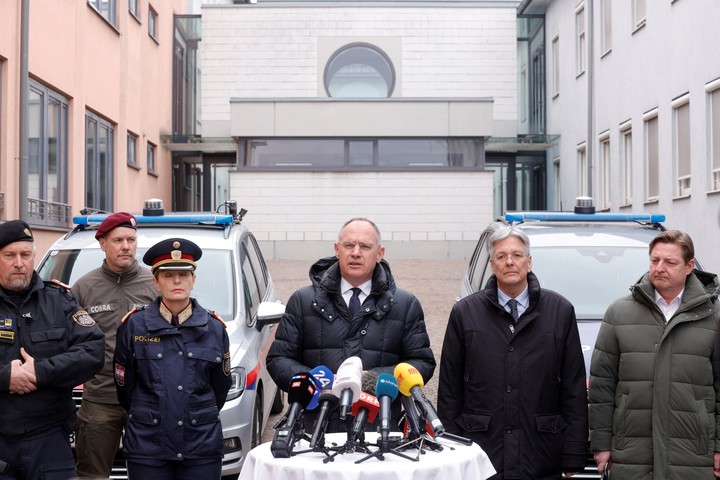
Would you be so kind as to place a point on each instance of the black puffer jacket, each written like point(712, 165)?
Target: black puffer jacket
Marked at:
point(316, 329)
point(520, 396)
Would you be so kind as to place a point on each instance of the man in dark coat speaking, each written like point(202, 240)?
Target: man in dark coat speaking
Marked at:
point(512, 375)
point(386, 327)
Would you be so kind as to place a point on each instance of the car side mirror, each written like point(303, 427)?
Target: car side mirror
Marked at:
point(269, 313)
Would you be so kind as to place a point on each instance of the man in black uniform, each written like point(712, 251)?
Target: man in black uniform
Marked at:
point(48, 345)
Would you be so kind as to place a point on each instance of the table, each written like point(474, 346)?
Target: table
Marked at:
point(453, 462)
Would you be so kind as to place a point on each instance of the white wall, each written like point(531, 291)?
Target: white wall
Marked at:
point(297, 215)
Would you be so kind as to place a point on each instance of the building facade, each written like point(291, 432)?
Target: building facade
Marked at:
point(95, 96)
point(405, 112)
point(633, 90)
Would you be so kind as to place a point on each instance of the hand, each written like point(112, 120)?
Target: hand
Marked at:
point(716, 464)
point(569, 474)
point(29, 364)
point(602, 457)
point(21, 380)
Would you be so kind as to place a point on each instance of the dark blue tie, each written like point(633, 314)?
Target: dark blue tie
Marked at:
point(354, 304)
point(512, 303)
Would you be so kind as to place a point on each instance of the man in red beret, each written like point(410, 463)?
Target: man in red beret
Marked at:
point(48, 344)
point(108, 293)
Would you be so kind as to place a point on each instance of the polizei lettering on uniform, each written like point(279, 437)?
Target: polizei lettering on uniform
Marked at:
point(143, 338)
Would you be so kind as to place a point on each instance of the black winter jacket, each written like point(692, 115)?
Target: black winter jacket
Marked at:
point(67, 347)
point(316, 330)
point(520, 396)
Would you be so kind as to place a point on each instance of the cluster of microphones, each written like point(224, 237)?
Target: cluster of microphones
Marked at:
point(364, 396)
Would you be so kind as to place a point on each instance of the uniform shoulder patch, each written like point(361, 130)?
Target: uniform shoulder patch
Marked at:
point(215, 315)
point(60, 284)
point(127, 315)
point(83, 318)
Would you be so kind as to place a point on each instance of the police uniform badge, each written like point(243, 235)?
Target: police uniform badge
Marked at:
point(226, 363)
point(119, 374)
point(7, 334)
point(83, 318)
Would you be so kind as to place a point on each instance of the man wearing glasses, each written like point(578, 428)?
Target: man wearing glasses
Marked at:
point(352, 308)
point(512, 375)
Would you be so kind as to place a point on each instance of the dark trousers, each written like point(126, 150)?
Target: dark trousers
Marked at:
point(42, 456)
point(174, 470)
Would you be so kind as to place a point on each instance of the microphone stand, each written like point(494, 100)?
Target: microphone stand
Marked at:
point(350, 446)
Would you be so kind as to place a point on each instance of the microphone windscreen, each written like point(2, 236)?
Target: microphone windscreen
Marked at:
point(349, 376)
point(323, 377)
point(302, 388)
point(408, 377)
point(387, 386)
point(327, 395)
point(369, 380)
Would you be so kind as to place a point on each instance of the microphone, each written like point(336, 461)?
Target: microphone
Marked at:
point(386, 391)
point(366, 408)
point(328, 401)
point(323, 377)
point(347, 384)
point(410, 383)
point(300, 392)
point(412, 420)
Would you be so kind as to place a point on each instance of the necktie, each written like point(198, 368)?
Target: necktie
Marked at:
point(354, 304)
point(512, 303)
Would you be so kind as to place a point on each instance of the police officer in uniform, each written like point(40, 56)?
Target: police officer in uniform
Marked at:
point(172, 373)
point(48, 345)
point(108, 293)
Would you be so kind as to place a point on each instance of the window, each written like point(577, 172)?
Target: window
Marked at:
point(603, 200)
point(681, 145)
point(133, 8)
point(106, 9)
point(99, 176)
point(713, 89)
point(151, 158)
point(606, 26)
point(132, 150)
point(47, 156)
point(582, 170)
point(626, 159)
point(369, 153)
point(152, 22)
point(556, 65)
point(638, 13)
point(359, 70)
point(580, 39)
point(652, 156)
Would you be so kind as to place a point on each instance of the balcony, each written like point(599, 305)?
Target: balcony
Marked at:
point(49, 214)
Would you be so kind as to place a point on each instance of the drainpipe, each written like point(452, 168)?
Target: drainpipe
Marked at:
point(24, 107)
point(590, 95)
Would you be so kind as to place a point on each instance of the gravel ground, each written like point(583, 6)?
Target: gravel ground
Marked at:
point(436, 283)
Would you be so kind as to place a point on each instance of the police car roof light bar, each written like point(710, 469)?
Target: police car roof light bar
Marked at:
point(205, 218)
point(584, 217)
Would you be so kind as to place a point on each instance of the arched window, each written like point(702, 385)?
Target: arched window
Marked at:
point(359, 70)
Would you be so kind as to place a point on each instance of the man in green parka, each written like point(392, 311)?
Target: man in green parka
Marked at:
point(655, 372)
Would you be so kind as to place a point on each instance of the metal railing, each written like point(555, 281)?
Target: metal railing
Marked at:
point(45, 212)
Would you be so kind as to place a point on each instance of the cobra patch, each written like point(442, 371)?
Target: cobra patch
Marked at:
point(226, 363)
point(119, 374)
point(83, 318)
point(5, 335)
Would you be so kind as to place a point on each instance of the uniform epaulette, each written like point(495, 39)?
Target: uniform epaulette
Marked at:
point(215, 315)
point(127, 315)
point(60, 284)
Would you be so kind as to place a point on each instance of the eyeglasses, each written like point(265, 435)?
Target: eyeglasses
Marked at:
point(515, 256)
point(350, 246)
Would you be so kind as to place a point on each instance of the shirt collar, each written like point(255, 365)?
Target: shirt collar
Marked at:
point(675, 301)
point(364, 287)
point(523, 299)
point(182, 316)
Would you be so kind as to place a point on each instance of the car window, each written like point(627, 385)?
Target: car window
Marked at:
point(214, 286)
point(258, 266)
point(478, 263)
point(590, 277)
point(250, 288)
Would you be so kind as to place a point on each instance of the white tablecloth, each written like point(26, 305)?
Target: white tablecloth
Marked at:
point(454, 461)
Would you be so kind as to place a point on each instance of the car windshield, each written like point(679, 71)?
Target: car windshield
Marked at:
point(214, 288)
point(590, 277)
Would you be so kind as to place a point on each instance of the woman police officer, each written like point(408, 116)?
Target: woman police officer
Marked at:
point(172, 373)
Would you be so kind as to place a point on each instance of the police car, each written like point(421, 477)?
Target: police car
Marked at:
point(232, 279)
point(590, 258)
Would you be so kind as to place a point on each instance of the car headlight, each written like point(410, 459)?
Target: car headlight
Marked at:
point(237, 387)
